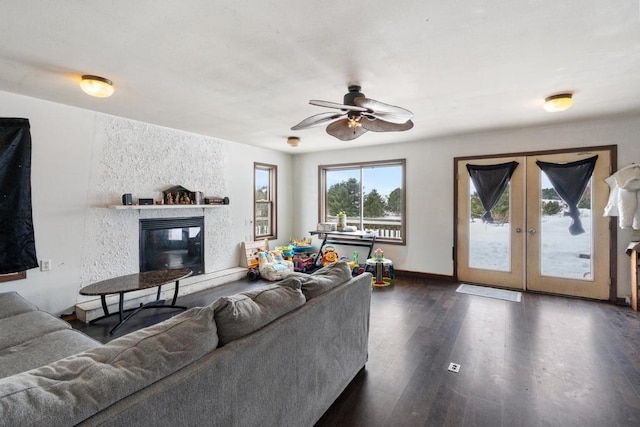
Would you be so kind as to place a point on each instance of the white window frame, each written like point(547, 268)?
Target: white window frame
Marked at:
point(385, 236)
point(271, 232)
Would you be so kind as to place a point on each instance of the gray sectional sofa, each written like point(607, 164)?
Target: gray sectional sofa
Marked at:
point(275, 356)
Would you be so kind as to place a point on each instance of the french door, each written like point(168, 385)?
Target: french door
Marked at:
point(531, 242)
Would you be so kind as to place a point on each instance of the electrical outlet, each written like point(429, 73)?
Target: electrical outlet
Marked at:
point(45, 265)
point(454, 367)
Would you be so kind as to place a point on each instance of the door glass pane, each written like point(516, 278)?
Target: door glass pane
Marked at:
point(490, 244)
point(562, 254)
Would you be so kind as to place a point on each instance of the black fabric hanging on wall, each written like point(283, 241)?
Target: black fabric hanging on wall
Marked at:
point(490, 182)
point(17, 241)
point(570, 180)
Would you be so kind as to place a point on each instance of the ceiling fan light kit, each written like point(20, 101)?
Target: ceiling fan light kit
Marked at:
point(97, 86)
point(357, 116)
point(558, 102)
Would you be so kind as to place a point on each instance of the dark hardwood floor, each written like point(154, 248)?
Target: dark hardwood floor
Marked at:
point(547, 361)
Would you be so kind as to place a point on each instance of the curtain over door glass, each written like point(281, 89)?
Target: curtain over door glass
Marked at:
point(568, 237)
point(547, 235)
point(490, 251)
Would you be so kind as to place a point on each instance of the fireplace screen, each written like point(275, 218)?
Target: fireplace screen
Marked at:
point(169, 243)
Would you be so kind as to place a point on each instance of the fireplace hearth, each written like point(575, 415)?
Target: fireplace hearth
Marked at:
point(170, 243)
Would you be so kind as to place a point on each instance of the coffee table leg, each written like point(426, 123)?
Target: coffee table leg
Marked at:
point(105, 309)
point(175, 293)
point(121, 306)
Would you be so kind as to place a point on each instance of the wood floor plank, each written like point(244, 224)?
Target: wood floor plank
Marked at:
point(547, 361)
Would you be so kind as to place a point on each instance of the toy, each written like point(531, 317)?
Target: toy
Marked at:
point(302, 263)
point(273, 266)
point(353, 263)
point(303, 245)
point(286, 251)
point(329, 256)
point(253, 274)
point(250, 259)
point(302, 242)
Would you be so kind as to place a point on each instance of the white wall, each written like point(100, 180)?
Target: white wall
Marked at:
point(430, 183)
point(83, 161)
point(80, 157)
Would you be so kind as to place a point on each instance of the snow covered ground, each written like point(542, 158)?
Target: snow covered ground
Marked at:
point(563, 255)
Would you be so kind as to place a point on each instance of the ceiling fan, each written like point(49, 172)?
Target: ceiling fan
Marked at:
point(358, 115)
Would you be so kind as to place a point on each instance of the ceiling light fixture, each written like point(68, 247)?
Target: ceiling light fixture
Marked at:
point(97, 86)
point(559, 102)
point(293, 141)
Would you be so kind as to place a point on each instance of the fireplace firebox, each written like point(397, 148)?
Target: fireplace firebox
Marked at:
point(170, 243)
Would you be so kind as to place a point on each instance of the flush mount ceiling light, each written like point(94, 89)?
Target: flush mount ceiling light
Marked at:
point(97, 86)
point(559, 102)
point(293, 141)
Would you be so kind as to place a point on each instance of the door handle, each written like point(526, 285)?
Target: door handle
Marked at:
point(518, 230)
point(532, 231)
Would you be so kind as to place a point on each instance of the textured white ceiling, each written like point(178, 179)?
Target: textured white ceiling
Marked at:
point(244, 71)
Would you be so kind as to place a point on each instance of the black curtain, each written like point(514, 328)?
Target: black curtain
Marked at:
point(570, 180)
point(17, 241)
point(490, 182)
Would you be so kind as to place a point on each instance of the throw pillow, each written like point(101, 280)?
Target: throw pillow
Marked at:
point(320, 281)
point(241, 314)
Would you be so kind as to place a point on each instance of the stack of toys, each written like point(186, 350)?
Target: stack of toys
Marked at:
point(303, 255)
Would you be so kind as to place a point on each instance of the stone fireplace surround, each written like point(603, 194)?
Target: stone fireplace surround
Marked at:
point(144, 159)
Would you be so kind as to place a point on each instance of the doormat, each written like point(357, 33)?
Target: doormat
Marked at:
point(482, 291)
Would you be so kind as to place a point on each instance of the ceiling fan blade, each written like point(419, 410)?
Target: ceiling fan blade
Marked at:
point(317, 119)
point(329, 104)
point(341, 130)
point(379, 125)
point(387, 112)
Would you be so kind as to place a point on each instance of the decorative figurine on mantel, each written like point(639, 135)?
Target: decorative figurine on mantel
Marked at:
point(185, 200)
point(177, 195)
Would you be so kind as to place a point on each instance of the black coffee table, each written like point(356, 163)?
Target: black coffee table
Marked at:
point(135, 282)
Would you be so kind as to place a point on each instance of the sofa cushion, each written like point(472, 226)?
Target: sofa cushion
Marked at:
point(11, 303)
point(43, 350)
point(320, 281)
point(23, 327)
point(241, 314)
point(69, 390)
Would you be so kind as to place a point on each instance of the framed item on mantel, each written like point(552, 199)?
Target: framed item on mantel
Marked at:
point(13, 276)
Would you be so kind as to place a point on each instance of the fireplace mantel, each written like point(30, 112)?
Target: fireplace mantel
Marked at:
point(147, 207)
